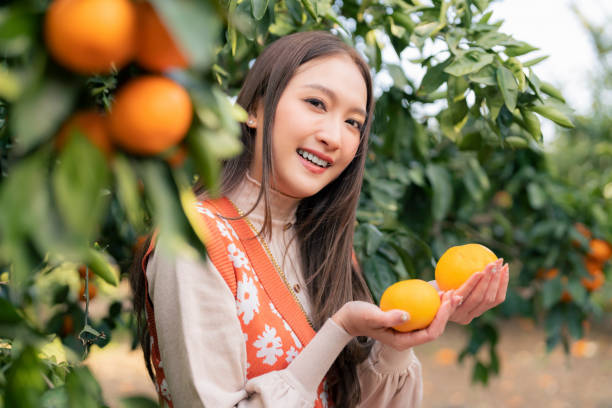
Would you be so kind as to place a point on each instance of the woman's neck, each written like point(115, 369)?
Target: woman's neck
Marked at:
point(282, 206)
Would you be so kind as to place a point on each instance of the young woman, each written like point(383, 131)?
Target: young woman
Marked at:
point(279, 315)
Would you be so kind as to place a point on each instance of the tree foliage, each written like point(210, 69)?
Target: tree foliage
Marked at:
point(455, 156)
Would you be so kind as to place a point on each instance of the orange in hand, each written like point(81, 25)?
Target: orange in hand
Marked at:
point(458, 263)
point(415, 296)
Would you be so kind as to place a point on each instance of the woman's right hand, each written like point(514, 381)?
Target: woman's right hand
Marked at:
point(366, 319)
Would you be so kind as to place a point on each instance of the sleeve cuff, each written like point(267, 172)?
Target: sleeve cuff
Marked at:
point(387, 360)
point(313, 362)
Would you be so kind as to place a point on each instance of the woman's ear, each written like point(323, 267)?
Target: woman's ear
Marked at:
point(252, 121)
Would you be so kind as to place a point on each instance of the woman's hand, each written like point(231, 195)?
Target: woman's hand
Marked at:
point(366, 319)
point(482, 291)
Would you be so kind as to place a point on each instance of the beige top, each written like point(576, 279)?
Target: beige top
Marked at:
point(201, 341)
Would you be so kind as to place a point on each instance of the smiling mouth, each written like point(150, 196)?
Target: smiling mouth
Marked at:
point(313, 159)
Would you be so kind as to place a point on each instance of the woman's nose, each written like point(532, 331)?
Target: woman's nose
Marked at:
point(331, 135)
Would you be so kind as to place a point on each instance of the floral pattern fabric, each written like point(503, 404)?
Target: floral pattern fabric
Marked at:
point(270, 342)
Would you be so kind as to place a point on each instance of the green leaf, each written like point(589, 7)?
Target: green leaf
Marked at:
point(553, 114)
point(536, 195)
point(207, 165)
point(480, 374)
point(468, 63)
point(508, 87)
point(81, 180)
point(481, 4)
point(532, 123)
point(442, 192)
point(519, 49)
point(128, 192)
point(259, 8)
point(38, 114)
point(83, 389)
point(137, 402)
point(195, 26)
point(516, 142)
point(486, 76)
point(548, 89)
point(434, 78)
point(24, 382)
point(551, 293)
point(8, 313)
point(534, 61)
point(517, 69)
point(100, 264)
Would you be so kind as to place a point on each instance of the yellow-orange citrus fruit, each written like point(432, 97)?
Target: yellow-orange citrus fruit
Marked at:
point(92, 124)
point(600, 250)
point(592, 265)
point(150, 114)
point(156, 50)
point(566, 297)
point(67, 325)
point(415, 296)
point(91, 36)
point(458, 263)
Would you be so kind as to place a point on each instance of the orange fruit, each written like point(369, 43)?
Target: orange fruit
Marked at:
point(177, 158)
point(150, 114)
point(592, 265)
point(91, 36)
point(581, 228)
point(458, 263)
point(156, 50)
point(92, 291)
point(92, 124)
point(83, 270)
point(547, 274)
point(67, 325)
point(596, 281)
point(600, 250)
point(415, 296)
point(566, 297)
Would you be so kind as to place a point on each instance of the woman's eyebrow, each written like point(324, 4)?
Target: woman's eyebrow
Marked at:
point(332, 96)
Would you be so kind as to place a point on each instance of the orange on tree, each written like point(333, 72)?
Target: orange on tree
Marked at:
point(600, 250)
point(459, 262)
point(83, 270)
point(92, 291)
point(67, 325)
point(92, 124)
point(150, 114)
point(547, 274)
point(415, 296)
point(156, 50)
point(91, 36)
point(596, 281)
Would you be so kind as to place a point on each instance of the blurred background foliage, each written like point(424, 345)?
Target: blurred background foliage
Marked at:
point(456, 156)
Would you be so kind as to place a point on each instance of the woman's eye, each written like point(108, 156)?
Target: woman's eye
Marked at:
point(316, 102)
point(354, 123)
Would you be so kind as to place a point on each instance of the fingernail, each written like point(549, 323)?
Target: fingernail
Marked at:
point(405, 316)
point(458, 299)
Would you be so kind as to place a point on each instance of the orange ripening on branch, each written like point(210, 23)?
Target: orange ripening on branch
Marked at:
point(92, 124)
point(458, 263)
point(415, 296)
point(91, 36)
point(150, 114)
point(156, 50)
point(600, 250)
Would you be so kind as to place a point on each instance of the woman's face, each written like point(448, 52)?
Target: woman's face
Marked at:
point(317, 125)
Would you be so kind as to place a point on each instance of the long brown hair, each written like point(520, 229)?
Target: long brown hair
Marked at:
point(324, 222)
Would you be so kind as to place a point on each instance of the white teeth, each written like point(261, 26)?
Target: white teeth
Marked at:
point(311, 157)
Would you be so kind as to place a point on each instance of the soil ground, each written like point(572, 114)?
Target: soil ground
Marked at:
point(529, 376)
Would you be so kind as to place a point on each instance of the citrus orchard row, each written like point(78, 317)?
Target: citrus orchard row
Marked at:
point(600, 252)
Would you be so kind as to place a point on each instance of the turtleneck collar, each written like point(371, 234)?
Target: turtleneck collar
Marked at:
point(282, 207)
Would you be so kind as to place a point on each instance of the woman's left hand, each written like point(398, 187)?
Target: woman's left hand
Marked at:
point(482, 291)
